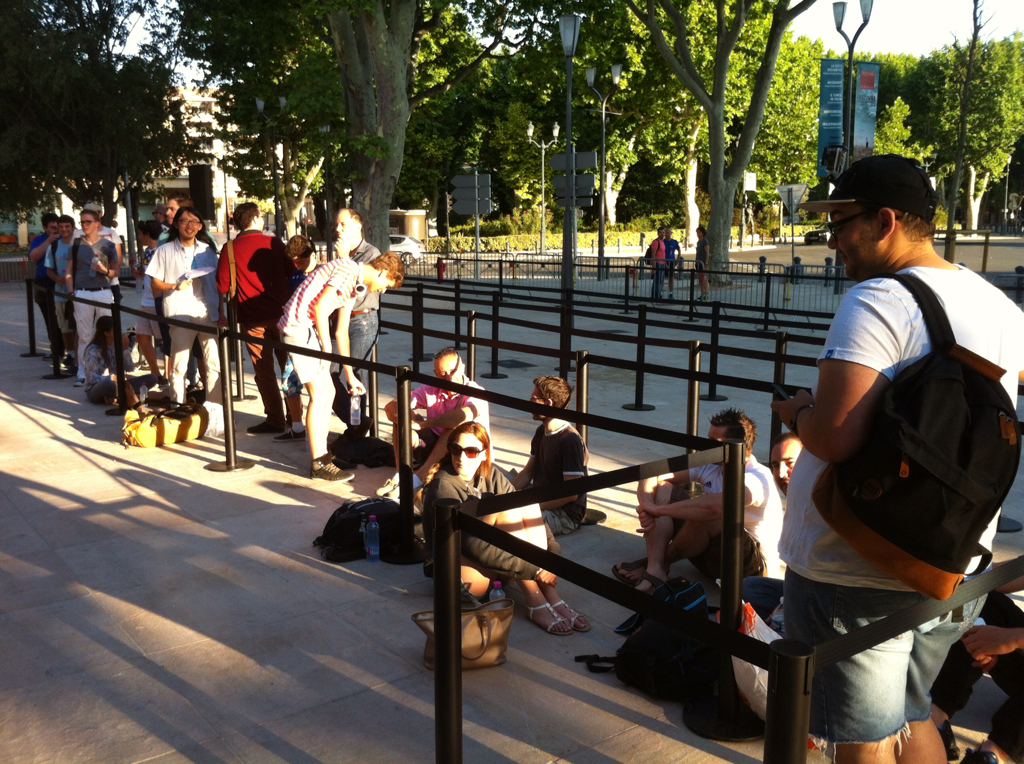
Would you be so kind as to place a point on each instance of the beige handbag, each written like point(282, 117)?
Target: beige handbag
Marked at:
point(484, 634)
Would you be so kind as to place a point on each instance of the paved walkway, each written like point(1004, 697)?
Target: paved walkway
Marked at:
point(151, 610)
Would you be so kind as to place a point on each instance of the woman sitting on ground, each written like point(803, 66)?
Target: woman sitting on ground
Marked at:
point(100, 379)
point(466, 474)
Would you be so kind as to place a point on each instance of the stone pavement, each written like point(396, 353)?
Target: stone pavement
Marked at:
point(155, 611)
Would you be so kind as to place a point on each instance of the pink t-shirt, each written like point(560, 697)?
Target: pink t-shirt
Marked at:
point(437, 402)
point(657, 249)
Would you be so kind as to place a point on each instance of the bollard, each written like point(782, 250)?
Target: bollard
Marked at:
point(728, 718)
point(837, 287)
point(55, 357)
point(122, 395)
point(761, 268)
point(447, 634)
point(626, 271)
point(582, 390)
point(495, 324)
point(30, 285)
point(828, 272)
point(798, 269)
point(779, 377)
point(787, 721)
point(458, 313)
point(372, 396)
point(712, 394)
point(471, 344)
point(767, 299)
point(641, 353)
point(231, 463)
point(410, 550)
point(693, 391)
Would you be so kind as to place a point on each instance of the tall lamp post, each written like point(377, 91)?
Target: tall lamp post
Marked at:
point(278, 217)
point(839, 13)
point(1006, 196)
point(569, 26)
point(591, 75)
point(543, 208)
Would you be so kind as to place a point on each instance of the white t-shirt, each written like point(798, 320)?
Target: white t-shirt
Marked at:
point(879, 325)
point(762, 518)
point(170, 262)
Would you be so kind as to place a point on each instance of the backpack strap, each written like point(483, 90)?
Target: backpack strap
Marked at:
point(939, 329)
point(597, 663)
point(231, 265)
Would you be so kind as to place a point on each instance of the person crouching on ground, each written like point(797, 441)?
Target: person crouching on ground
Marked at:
point(100, 363)
point(467, 474)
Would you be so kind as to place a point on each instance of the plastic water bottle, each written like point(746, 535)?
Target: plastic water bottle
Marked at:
point(778, 620)
point(355, 411)
point(143, 394)
point(372, 539)
point(497, 593)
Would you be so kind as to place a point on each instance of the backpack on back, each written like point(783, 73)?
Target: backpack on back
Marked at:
point(942, 455)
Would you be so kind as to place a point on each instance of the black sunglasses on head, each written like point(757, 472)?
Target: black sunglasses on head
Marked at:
point(456, 450)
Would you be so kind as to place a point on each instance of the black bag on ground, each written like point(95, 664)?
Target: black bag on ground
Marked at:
point(342, 539)
point(371, 452)
point(942, 455)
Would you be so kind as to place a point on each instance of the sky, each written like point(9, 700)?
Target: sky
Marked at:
point(910, 26)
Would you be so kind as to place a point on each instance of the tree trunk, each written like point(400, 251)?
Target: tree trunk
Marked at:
point(723, 194)
point(975, 194)
point(691, 212)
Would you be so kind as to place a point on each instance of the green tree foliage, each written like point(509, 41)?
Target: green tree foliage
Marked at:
point(79, 111)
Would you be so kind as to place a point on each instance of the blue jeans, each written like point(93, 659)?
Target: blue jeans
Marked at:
point(876, 693)
point(362, 335)
point(657, 279)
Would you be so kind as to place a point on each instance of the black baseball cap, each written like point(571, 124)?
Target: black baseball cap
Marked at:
point(886, 180)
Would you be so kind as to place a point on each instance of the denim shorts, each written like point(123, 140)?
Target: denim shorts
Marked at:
point(876, 693)
point(307, 369)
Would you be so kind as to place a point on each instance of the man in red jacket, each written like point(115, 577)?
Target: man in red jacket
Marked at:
point(255, 268)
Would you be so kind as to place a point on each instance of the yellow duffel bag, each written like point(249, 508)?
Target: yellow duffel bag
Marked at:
point(145, 428)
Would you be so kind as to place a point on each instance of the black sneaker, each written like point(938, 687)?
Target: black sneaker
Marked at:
point(325, 470)
point(979, 757)
point(289, 435)
point(264, 428)
point(949, 741)
point(593, 517)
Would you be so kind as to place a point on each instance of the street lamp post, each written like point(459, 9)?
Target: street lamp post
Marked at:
point(839, 13)
point(591, 74)
point(543, 208)
point(273, 162)
point(1006, 196)
point(569, 26)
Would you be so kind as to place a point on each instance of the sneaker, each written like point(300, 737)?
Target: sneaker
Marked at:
point(289, 435)
point(162, 381)
point(47, 356)
point(593, 517)
point(325, 470)
point(390, 489)
point(79, 382)
point(949, 741)
point(264, 428)
point(979, 757)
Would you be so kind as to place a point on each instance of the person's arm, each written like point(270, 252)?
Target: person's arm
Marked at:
point(524, 477)
point(986, 643)
point(449, 419)
point(708, 506)
point(323, 305)
point(835, 425)
point(353, 382)
point(52, 273)
point(647, 488)
point(391, 410)
point(38, 252)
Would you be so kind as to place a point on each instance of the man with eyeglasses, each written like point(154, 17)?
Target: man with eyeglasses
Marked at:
point(92, 264)
point(445, 410)
point(875, 705)
point(108, 233)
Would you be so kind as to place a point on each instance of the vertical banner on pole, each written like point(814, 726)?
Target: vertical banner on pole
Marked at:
point(830, 108)
point(865, 110)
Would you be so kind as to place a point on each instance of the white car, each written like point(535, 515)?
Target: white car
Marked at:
point(408, 247)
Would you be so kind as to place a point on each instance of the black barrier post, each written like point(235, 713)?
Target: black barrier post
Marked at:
point(564, 340)
point(372, 401)
point(495, 324)
point(712, 394)
point(55, 357)
point(501, 277)
point(236, 345)
point(762, 266)
point(231, 463)
point(779, 377)
point(767, 299)
point(692, 315)
point(471, 344)
point(790, 671)
point(458, 313)
point(728, 718)
point(828, 272)
point(410, 549)
point(693, 392)
point(582, 389)
point(447, 634)
point(641, 354)
point(122, 394)
point(30, 285)
point(625, 288)
point(417, 329)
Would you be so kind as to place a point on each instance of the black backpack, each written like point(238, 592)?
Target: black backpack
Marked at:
point(371, 452)
point(942, 455)
point(661, 661)
point(342, 539)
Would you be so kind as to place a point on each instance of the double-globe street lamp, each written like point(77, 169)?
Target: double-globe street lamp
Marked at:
point(839, 13)
point(569, 27)
point(543, 208)
point(278, 217)
point(591, 75)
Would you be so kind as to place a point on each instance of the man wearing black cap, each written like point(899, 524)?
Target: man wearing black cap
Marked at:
point(881, 221)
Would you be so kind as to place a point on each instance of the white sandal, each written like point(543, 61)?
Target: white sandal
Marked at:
point(575, 616)
point(558, 619)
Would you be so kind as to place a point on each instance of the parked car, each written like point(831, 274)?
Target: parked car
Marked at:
point(817, 236)
point(407, 246)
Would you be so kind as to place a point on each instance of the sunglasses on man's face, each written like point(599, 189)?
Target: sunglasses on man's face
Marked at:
point(456, 450)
